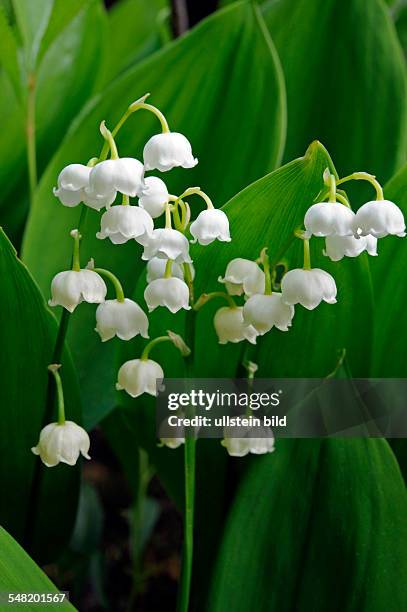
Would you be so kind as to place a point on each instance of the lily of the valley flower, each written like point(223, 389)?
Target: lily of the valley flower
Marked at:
point(62, 443)
point(167, 243)
point(380, 218)
point(337, 247)
point(122, 223)
point(266, 311)
point(124, 175)
point(70, 288)
point(308, 287)
point(231, 327)
point(124, 319)
point(139, 376)
point(156, 269)
point(329, 219)
point(243, 276)
point(72, 181)
point(154, 196)
point(168, 150)
point(172, 293)
point(211, 224)
point(239, 441)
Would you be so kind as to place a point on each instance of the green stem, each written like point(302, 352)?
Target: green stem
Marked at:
point(125, 200)
point(188, 546)
point(343, 200)
point(31, 136)
point(115, 282)
point(197, 191)
point(265, 262)
point(168, 267)
point(189, 281)
point(206, 297)
point(364, 176)
point(60, 392)
point(153, 343)
point(168, 216)
point(76, 259)
point(307, 256)
point(332, 188)
point(152, 109)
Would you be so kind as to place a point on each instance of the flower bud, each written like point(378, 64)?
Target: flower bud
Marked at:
point(337, 247)
point(139, 376)
point(308, 288)
point(123, 223)
point(62, 443)
point(122, 319)
point(171, 292)
point(329, 219)
point(243, 276)
point(240, 441)
point(230, 326)
point(267, 311)
point(70, 288)
point(154, 196)
point(380, 218)
point(211, 224)
point(167, 244)
point(168, 150)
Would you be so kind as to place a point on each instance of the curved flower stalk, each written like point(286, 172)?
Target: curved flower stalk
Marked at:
point(139, 376)
point(62, 441)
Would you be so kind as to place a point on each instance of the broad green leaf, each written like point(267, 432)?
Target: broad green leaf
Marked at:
point(135, 31)
point(62, 13)
point(19, 574)
point(8, 52)
point(27, 332)
point(344, 70)
point(66, 79)
point(199, 103)
point(266, 214)
point(32, 20)
point(317, 525)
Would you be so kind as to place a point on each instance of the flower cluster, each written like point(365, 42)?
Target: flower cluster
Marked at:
point(170, 271)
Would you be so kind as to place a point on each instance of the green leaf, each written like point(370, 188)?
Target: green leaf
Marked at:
point(32, 20)
point(344, 70)
point(62, 14)
point(199, 103)
point(135, 31)
point(66, 79)
point(27, 333)
point(266, 214)
point(19, 574)
point(8, 52)
point(318, 525)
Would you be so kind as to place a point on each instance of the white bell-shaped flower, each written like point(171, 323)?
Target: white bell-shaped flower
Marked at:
point(122, 319)
point(156, 269)
point(239, 441)
point(380, 218)
point(211, 224)
point(167, 243)
point(337, 247)
point(139, 376)
point(243, 276)
point(172, 293)
point(72, 181)
point(125, 175)
point(154, 196)
point(168, 150)
point(267, 311)
point(172, 443)
point(70, 288)
point(329, 219)
point(308, 288)
point(122, 223)
point(231, 327)
point(62, 443)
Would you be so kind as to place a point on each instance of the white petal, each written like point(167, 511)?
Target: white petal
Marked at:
point(168, 150)
point(267, 311)
point(329, 219)
point(243, 276)
point(123, 223)
point(380, 218)
point(154, 196)
point(156, 269)
point(122, 319)
point(230, 326)
point(167, 244)
point(210, 225)
point(308, 288)
point(139, 376)
point(74, 177)
point(62, 443)
point(171, 293)
point(124, 175)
